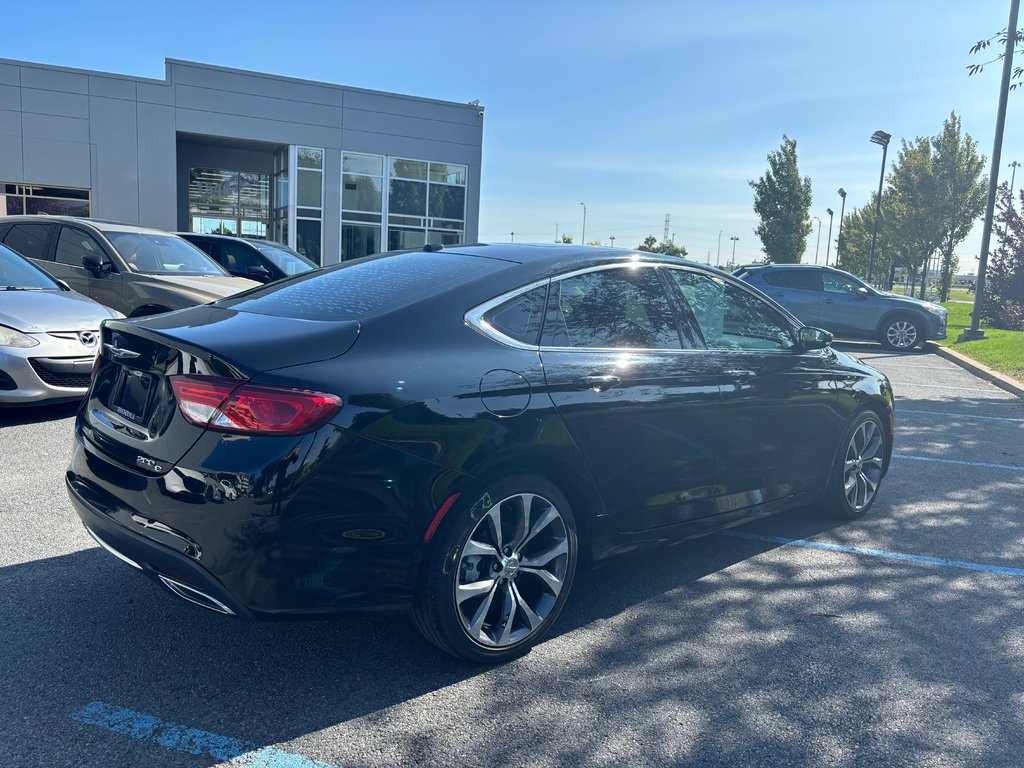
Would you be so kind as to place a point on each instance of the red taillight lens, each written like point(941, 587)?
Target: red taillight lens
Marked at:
point(232, 406)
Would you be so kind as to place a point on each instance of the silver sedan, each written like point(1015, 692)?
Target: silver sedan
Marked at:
point(49, 335)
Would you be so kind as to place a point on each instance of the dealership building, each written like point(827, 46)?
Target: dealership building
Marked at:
point(333, 171)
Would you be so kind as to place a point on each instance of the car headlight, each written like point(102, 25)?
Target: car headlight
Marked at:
point(935, 309)
point(12, 338)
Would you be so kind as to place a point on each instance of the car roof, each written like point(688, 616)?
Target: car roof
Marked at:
point(102, 225)
point(788, 266)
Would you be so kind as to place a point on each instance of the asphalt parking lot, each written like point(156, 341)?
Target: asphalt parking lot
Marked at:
point(895, 640)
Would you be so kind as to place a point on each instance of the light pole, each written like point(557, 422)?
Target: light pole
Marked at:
point(513, 235)
point(828, 243)
point(882, 139)
point(818, 246)
point(734, 241)
point(839, 237)
point(583, 237)
point(612, 238)
point(718, 258)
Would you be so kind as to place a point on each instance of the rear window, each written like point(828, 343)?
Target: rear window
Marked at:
point(361, 289)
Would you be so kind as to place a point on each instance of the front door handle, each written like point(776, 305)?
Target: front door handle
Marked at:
point(597, 383)
point(830, 301)
point(741, 376)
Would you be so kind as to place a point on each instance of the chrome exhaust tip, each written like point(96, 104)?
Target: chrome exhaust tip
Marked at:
point(193, 595)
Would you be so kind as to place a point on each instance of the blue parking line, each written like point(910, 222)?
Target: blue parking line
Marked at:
point(192, 741)
point(1002, 570)
point(959, 461)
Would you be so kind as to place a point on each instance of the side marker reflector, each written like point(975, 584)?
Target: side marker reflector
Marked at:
point(439, 516)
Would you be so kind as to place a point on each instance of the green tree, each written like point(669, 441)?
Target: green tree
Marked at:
point(962, 191)
point(1004, 284)
point(982, 46)
point(918, 229)
point(782, 200)
point(594, 242)
point(565, 240)
point(651, 245)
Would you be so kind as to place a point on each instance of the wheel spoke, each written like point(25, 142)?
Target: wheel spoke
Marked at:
point(531, 618)
point(477, 622)
point(494, 516)
point(474, 547)
point(464, 592)
point(508, 613)
point(543, 522)
point(869, 484)
point(553, 582)
point(560, 547)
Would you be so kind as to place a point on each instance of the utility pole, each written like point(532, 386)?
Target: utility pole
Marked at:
point(718, 258)
point(974, 332)
point(583, 237)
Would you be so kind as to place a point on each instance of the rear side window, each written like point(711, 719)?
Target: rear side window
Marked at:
point(610, 309)
point(360, 289)
point(520, 318)
point(28, 239)
point(805, 279)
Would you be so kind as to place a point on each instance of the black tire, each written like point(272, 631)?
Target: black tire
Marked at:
point(901, 333)
point(838, 502)
point(446, 622)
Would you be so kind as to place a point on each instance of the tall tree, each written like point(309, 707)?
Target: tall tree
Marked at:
point(1004, 287)
point(919, 231)
point(962, 191)
point(782, 200)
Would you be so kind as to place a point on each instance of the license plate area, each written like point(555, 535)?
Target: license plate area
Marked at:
point(132, 394)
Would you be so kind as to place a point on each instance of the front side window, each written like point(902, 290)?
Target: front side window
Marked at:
point(836, 283)
point(161, 254)
point(610, 309)
point(73, 244)
point(729, 317)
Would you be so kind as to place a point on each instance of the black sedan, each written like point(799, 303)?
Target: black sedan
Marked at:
point(455, 431)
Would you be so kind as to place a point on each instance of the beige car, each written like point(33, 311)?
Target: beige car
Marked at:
point(135, 270)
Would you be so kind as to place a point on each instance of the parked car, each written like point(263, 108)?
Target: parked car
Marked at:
point(837, 301)
point(48, 335)
point(260, 260)
point(455, 430)
point(135, 270)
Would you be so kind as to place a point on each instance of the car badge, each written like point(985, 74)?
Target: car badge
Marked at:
point(88, 338)
point(119, 352)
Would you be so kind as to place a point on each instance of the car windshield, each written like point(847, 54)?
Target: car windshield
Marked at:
point(153, 254)
point(18, 274)
point(288, 262)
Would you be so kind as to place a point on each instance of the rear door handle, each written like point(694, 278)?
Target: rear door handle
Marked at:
point(830, 301)
point(597, 383)
point(741, 376)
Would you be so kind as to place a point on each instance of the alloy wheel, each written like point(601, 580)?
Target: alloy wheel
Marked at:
point(511, 570)
point(862, 470)
point(902, 334)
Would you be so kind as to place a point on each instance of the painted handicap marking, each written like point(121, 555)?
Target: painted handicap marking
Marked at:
point(192, 741)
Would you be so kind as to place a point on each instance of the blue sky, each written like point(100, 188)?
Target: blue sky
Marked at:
point(636, 108)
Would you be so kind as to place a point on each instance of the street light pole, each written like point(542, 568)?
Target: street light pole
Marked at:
point(718, 257)
point(734, 241)
point(882, 139)
point(839, 237)
point(513, 235)
point(828, 243)
point(818, 246)
point(612, 238)
point(583, 237)
point(975, 332)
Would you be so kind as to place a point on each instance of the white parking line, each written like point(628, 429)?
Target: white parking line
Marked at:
point(993, 390)
point(1012, 467)
point(900, 411)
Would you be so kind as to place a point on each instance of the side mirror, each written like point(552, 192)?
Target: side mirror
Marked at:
point(863, 293)
point(259, 273)
point(63, 286)
point(813, 338)
point(96, 263)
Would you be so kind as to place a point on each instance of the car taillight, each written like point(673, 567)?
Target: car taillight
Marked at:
point(232, 406)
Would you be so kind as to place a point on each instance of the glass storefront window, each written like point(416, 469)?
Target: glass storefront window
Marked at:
point(407, 197)
point(206, 225)
point(307, 239)
point(400, 238)
point(225, 202)
point(308, 189)
point(366, 165)
point(447, 202)
point(447, 173)
point(444, 237)
point(361, 193)
point(53, 201)
point(358, 240)
point(408, 169)
point(309, 157)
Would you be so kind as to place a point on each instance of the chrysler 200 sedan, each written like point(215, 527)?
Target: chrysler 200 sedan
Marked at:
point(455, 431)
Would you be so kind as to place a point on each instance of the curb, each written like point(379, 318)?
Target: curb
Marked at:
point(1001, 380)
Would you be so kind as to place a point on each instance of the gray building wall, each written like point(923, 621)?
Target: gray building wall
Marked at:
point(118, 136)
